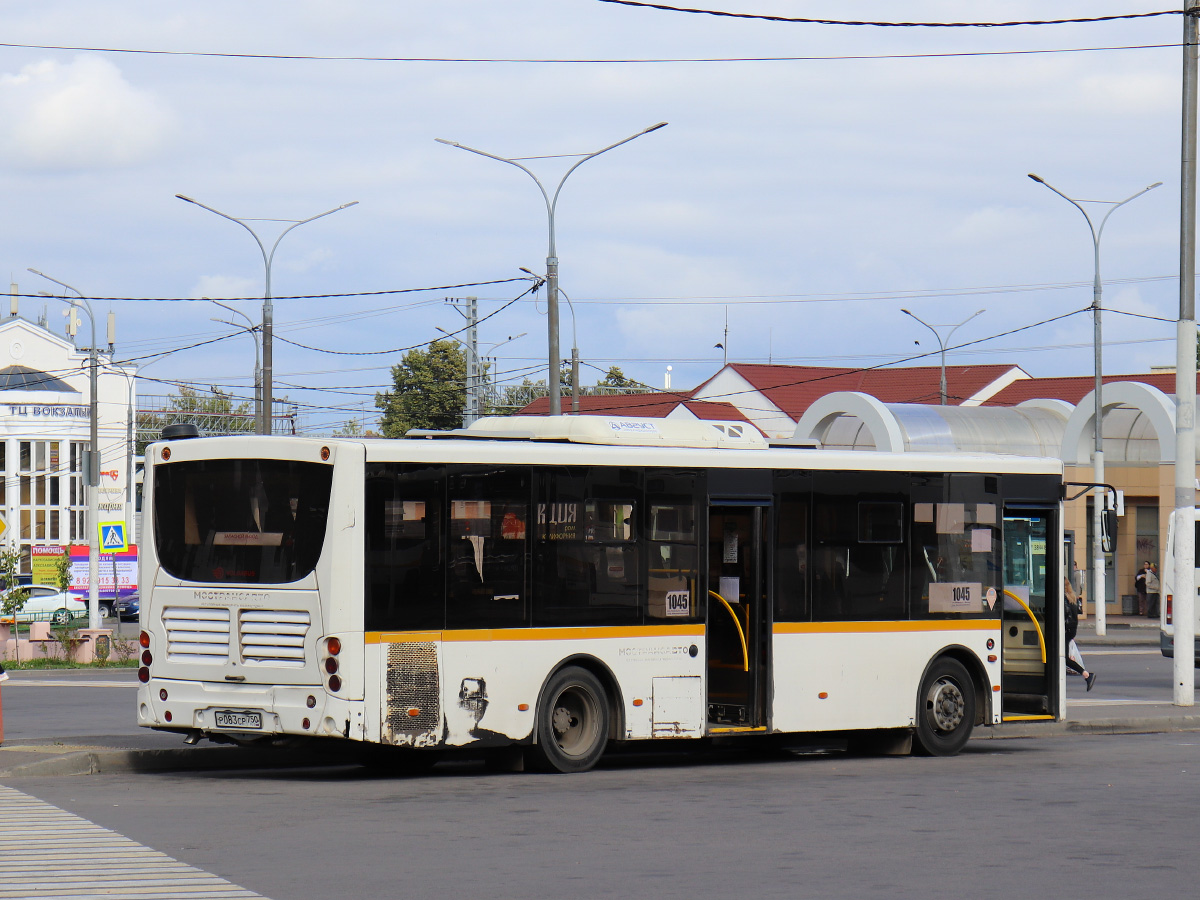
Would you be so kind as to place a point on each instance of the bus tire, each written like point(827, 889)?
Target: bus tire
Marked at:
point(61, 617)
point(945, 709)
point(572, 722)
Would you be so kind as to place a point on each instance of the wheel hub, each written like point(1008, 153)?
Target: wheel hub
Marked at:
point(946, 705)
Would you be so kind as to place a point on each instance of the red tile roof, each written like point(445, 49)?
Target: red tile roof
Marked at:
point(1072, 388)
point(794, 388)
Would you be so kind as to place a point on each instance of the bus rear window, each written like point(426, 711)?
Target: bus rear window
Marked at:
point(240, 520)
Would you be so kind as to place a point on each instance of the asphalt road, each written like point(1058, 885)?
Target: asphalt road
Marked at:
point(1091, 816)
point(1095, 817)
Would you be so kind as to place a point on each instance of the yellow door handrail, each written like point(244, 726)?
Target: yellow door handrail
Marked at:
point(742, 633)
point(1033, 618)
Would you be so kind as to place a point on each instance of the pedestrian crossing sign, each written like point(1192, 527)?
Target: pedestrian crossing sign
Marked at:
point(113, 538)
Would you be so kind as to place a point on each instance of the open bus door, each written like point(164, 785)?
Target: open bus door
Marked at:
point(737, 616)
point(1031, 613)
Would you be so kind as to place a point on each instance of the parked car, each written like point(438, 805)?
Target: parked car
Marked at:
point(127, 607)
point(47, 603)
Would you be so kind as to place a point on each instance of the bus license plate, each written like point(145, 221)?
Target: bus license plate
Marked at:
point(239, 720)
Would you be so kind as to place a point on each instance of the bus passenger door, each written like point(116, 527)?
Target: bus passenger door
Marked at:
point(1031, 613)
point(737, 610)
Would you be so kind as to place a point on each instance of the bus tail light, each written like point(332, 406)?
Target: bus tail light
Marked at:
point(143, 675)
point(144, 639)
point(331, 665)
point(1169, 604)
point(333, 646)
point(335, 683)
point(146, 658)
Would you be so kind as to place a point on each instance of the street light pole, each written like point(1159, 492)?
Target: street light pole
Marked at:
point(552, 252)
point(1099, 597)
point(251, 329)
point(942, 343)
point(91, 478)
point(268, 320)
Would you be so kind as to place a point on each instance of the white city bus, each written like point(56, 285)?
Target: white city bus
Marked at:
point(1166, 611)
point(557, 584)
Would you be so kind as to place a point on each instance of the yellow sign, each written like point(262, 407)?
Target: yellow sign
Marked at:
point(3, 524)
point(113, 538)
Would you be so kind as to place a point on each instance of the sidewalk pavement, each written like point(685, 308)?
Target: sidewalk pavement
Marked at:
point(150, 751)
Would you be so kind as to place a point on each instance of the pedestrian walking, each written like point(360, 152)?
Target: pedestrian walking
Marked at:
point(1070, 627)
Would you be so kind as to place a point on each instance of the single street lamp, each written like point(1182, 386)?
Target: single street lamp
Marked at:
point(1098, 587)
point(91, 475)
point(268, 317)
point(551, 252)
point(942, 343)
point(487, 355)
point(251, 329)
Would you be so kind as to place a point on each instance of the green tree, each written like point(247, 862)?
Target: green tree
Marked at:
point(62, 571)
point(429, 391)
point(615, 378)
point(214, 413)
point(13, 596)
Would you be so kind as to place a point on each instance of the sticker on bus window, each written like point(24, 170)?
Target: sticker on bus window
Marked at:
point(248, 538)
point(955, 597)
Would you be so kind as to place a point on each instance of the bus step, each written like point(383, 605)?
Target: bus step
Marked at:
point(728, 714)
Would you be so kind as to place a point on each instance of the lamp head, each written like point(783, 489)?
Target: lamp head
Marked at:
point(1036, 178)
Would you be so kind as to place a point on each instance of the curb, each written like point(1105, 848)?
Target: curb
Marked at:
point(1144, 725)
point(116, 762)
point(110, 762)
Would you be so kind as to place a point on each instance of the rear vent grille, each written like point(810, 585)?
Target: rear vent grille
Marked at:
point(196, 635)
point(273, 637)
point(412, 684)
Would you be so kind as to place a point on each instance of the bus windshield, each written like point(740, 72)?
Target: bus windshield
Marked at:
point(240, 520)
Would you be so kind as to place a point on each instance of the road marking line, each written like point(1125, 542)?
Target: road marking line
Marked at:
point(1119, 702)
point(75, 859)
point(27, 682)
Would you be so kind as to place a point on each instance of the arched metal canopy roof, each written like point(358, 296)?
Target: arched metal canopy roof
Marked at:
point(1139, 426)
point(855, 421)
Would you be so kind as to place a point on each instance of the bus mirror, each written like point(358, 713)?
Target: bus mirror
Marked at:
point(1108, 530)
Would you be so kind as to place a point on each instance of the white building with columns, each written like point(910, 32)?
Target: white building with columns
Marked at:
point(44, 429)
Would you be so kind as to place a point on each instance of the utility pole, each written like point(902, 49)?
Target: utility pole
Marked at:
point(471, 412)
point(1184, 601)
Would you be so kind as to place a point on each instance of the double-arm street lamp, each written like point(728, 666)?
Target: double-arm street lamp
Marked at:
point(551, 252)
point(1098, 588)
point(91, 474)
point(268, 316)
point(942, 343)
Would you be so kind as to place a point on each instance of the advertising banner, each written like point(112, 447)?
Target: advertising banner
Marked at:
point(118, 568)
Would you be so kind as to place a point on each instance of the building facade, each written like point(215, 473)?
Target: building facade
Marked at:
point(45, 427)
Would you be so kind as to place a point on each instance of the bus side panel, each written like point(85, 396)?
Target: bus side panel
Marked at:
point(852, 678)
point(485, 683)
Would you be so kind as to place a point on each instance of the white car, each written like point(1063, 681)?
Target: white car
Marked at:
point(48, 604)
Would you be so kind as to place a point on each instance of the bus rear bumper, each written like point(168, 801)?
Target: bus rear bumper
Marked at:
point(242, 711)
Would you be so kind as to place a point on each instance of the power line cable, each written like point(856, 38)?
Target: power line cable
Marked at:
point(808, 21)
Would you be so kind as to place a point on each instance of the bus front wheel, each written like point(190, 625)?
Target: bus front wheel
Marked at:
point(572, 722)
point(945, 709)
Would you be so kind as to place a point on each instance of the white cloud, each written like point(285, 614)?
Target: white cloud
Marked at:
point(79, 115)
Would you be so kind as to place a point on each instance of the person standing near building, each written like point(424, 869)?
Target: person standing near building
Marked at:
point(1139, 585)
point(1152, 591)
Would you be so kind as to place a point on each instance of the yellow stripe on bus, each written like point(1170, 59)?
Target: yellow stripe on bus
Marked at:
point(885, 627)
point(536, 634)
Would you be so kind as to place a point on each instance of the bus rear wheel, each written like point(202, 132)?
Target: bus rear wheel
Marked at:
point(945, 709)
point(572, 722)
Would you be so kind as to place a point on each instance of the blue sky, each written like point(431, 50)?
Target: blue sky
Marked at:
point(807, 199)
